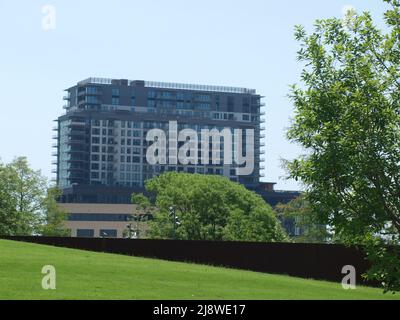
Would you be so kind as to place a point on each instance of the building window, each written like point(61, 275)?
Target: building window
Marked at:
point(151, 94)
point(115, 101)
point(92, 90)
point(85, 233)
point(108, 233)
point(115, 92)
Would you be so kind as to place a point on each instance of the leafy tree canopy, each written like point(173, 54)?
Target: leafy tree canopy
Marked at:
point(300, 215)
point(27, 202)
point(210, 208)
point(347, 118)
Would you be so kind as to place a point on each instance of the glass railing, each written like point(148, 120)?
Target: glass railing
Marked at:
point(198, 87)
point(169, 85)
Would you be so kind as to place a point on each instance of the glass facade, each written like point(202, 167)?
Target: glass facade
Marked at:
point(102, 136)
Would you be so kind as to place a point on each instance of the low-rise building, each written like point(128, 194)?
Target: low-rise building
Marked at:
point(105, 220)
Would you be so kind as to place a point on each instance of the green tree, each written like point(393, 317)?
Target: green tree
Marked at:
point(140, 217)
point(299, 212)
point(210, 208)
point(8, 204)
point(347, 117)
point(27, 204)
point(54, 217)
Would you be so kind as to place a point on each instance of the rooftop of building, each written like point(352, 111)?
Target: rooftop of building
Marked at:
point(166, 85)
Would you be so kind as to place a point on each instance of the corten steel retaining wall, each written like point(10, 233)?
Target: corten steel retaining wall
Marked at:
point(317, 261)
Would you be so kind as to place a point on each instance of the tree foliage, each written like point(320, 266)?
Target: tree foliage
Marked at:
point(210, 208)
point(27, 203)
point(53, 216)
point(299, 213)
point(347, 117)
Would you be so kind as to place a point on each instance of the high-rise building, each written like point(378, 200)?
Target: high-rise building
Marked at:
point(101, 141)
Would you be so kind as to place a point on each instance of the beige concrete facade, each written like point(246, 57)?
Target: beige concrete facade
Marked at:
point(101, 228)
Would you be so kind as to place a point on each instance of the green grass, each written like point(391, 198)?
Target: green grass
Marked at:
point(91, 275)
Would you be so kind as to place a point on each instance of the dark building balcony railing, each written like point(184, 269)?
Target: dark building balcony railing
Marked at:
point(76, 169)
point(71, 151)
point(76, 123)
point(77, 161)
point(76, 132)
point(76, 141)
point(82, 93)
point(72, 180)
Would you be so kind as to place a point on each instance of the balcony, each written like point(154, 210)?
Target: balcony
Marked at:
point(76, 169)
point(54, 145)
point(76, 132)
point(55, 136)
point(67, 97)
point(81, 161)
point(85, 91)
point(69, 151)
point(76, 141)
point(76, 123)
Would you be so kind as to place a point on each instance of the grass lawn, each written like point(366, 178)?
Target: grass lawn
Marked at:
point(91, 275)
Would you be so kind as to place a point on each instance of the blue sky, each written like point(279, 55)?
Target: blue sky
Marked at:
point(222, 42)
